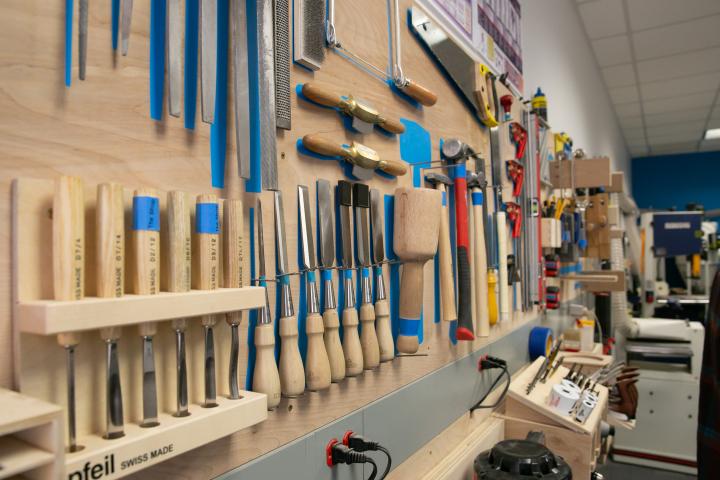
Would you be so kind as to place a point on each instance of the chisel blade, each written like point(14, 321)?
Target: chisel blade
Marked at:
point(280, 239)
point(208, 58)
point(174, 56)
point(345, 201)
point(210, 387)
point(114, 393)
point(241, 88)
point(261, 240)
point(308, 245)
point(361, 202)
point(125, 22)
point(378, 228)
point(233, 371)
point(149, 390)
point(266, 92)
point(326, 224)
point(182, 383)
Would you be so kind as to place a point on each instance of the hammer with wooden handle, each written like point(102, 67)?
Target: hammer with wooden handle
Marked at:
point(69, 274)
point(179, 279)
point(447, 277)
point(479, 256)
point(146, 281)
point(417, 225)
point(110, 280)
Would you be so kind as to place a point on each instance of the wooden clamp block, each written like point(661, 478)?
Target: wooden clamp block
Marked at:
point(599, 280)
point(588, 173)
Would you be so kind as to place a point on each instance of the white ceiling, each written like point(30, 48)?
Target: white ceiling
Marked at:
point(660, 60)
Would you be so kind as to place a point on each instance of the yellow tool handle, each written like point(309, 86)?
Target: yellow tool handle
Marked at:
point(351, 343)
point(317, 363)
point(146, 246)
point(110, 237)
point(420, 93)
point(206, 270)
point(322, 146)
point(292, 372)
point(333, 345)
point(68, 245)
point(266, 378)
point(392, 125)
point(368, 337)
point(393, 167)
point(384, 330)
point(321, 95)
point(233, 252)
point(492, 296)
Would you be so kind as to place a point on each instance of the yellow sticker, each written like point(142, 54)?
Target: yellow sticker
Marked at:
point(490, 48)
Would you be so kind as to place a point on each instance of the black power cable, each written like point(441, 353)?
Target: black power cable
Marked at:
point(487, 363)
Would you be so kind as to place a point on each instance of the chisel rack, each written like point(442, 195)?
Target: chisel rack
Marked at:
point(40, 361)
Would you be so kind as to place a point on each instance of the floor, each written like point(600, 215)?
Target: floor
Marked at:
point(622, 471)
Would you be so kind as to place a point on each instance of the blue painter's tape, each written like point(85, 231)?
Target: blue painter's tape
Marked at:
point(218, 129)
point(311, 277)
point(378, 270)
point(157, 57)
point(415, 148)
point(254, 183)
point(365, 273)
point(69, 7)
point(207, 219)
point(326, 275)
point(539, 342)
point(284, 279)
point(459, 171)
point(409, 327)
point(444, 199)
point(192, 35)
point(348, 274)
point(115, 22)
point(146, 213)
point(477, 198)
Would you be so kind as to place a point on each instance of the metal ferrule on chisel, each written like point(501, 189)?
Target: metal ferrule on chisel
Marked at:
point(308, 249)
point(361, 202)
point(378, 244)
point(329, 290)
point(264, 312)
point(286, 303)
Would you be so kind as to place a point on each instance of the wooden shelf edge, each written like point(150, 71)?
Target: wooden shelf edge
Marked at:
point(143, 447)
point(49, 317)
point(17, 457)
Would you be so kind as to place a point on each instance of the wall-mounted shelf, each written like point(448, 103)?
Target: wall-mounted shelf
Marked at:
point(49, 317)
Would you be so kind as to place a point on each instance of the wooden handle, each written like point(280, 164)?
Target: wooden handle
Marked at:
point(321, 95)
point(146, 246)
point(110, 237)
point(492, 296)
point(351, 343)
point(447, 277)
point(368, 337)
point(420, 93)
point(480, 266)
point(207, 240)
point(266, 378)
point(233, 251)
point(503, 271)
point(68, 245)
point(322, 146)
point(392, 125)
point(333, 346)
point(317, 364)
point(393, 167)
point(292, 373)
point(384, 330)
point(411, 283)
point(179, 249)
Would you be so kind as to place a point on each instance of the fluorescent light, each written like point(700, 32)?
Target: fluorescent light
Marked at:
point(712, 134)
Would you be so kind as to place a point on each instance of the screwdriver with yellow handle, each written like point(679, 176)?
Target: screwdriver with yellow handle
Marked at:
point(69, 275)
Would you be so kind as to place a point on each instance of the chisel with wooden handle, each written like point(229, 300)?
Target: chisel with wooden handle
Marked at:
point(241, 85)
point(292, 372)
point(110, 283)
point(208, 58)
point(368, 335)
point(69, 275)
point(317, 364)
point(382, 307)
point(179, 280)
point(351, 107)
point(356, 154)
point(479, 256)
point(206, 272)
point(351, 339)
point(331, 321)
point(266, 378)
point(233, 271)
point(447, 277)
point(417, 227)
point(503, 267)
point(146, 281)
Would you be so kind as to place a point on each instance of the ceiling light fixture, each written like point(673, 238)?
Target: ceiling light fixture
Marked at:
point(712, 134)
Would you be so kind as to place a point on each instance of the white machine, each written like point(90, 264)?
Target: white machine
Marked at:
point(668, 354)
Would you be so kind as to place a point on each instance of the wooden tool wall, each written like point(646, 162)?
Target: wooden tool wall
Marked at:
point(100, 130)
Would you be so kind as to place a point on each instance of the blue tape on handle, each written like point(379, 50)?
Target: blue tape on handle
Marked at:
point(69, 7)
point(444, 199)
point(325, 275)
point(311, 277)
point(157, 57)
point(347, 274)
point(115, 22)
point(146, 213)
point(539, 342)
point(459, 171)
point(284, 279)
point(192, 35)
point(218, 129)
point(409, 327)
point(365, 272)
point(477, 198)
point(207, 218)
